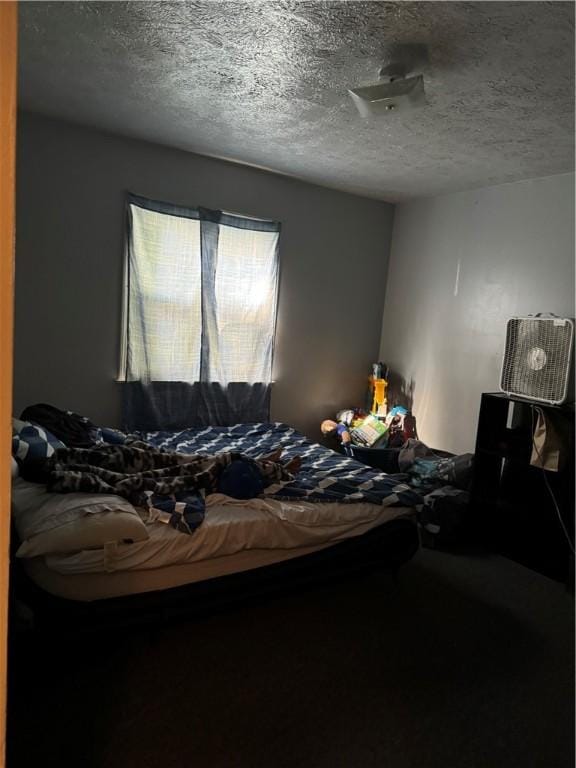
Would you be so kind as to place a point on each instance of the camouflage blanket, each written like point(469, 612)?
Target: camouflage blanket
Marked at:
point(170, 486)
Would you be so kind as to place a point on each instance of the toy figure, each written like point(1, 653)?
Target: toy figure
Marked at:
point(330, 427)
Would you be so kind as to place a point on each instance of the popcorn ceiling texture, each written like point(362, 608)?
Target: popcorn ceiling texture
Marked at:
point(265, 83)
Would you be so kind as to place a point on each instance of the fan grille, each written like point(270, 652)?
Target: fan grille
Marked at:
point(537, 358)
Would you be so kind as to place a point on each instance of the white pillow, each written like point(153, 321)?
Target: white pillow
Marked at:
point(52, 523)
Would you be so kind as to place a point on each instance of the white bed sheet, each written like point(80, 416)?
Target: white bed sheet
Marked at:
point(235, 536)
point(97, 584)
point(231, 527)
point(87, 587)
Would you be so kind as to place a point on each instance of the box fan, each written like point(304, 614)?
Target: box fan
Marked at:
point(537, 361)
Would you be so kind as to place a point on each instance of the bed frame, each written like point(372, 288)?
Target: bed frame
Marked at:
point(384, 548)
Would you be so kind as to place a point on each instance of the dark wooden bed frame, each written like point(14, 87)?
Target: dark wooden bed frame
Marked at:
point(384, 548)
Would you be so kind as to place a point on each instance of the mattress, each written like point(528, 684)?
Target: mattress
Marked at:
point(88, 587)
point(234, 537)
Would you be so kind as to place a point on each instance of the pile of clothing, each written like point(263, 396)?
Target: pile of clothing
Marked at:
point(445, 483)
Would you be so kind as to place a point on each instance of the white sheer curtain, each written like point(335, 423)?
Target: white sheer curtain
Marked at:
point(164, 297)
point(245, 306)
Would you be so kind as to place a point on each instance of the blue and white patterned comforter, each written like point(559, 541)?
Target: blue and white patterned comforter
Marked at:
point(325, 476)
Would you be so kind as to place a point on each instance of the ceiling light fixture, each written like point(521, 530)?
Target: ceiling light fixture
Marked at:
point(395, 91)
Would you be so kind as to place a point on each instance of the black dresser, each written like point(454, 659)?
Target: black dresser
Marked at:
point(511, 500)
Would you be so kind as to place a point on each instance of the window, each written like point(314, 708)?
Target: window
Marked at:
point(200, 296)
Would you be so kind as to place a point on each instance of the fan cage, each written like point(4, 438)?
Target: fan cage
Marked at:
point(537, 358)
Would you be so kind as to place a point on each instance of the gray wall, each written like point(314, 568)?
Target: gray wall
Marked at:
point(71, 186)
point(460, 266)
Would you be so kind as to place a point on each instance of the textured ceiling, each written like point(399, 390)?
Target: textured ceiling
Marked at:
point(265, 83)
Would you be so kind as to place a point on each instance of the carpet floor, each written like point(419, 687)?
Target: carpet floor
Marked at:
point(464, 661)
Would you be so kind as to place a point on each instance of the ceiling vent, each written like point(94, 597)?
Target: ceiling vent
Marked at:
point(400, 87)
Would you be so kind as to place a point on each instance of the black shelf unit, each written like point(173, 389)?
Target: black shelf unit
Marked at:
point(511, 502)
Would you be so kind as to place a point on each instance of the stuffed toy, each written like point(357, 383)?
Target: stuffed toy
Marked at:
point(340, 431)
point(330, 427)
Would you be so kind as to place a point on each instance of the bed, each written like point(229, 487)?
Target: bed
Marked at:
point(338, 515)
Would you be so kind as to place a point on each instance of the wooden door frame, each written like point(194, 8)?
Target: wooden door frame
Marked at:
point(8, 67)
